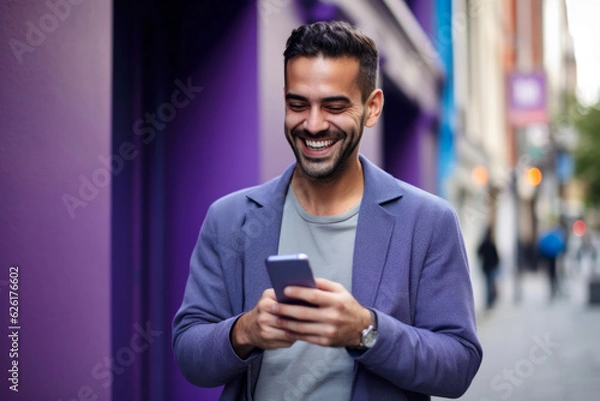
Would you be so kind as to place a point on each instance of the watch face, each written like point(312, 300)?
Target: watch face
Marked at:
point(369, 337)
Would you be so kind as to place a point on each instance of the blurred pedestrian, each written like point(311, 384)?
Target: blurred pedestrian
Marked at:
point(587, 248)
point(550, 245)
point(490, 262)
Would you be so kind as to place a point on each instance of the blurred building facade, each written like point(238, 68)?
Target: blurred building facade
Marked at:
point(541, 81)
point(482, 146)
point(560, 66)
point(513, 71)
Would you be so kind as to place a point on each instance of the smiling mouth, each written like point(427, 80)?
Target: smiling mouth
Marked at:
point(318, 144)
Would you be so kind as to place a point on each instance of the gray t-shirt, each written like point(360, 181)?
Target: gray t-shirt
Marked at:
point(306, 371)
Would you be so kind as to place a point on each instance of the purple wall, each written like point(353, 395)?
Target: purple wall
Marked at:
point(410, 144)
point(213, 151)
point(55, 123)
point(401, 134)
point(423, 11)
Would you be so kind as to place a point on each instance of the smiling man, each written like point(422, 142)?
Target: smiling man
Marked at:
point(393, 314)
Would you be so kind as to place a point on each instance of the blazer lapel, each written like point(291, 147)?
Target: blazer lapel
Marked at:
point(262, 228)
point(373, 235)
point(373, 232)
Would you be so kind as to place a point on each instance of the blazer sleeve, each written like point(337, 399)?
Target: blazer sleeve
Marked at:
point(440, 354)
point(202, 326)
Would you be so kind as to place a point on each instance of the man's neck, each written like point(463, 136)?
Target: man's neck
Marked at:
point(329, 197)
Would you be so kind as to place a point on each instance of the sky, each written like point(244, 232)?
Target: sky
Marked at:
point(584, 25)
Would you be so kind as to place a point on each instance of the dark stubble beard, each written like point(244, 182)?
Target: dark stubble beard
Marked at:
point(331, 169)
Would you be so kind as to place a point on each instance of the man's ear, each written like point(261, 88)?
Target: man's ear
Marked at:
point(374, 107)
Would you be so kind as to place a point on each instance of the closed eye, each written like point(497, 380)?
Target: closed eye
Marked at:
point(297, 106)
point(335, 108)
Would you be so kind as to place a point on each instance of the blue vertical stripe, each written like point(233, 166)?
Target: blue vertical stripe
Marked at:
point(443, 41)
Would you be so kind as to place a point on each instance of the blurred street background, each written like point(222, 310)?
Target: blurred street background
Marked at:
point(121, 122)
point(537, 348)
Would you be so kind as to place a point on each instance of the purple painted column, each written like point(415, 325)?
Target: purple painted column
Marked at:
point(55, 79)
point(213, 150)
point(425, 125)
point(404, 161)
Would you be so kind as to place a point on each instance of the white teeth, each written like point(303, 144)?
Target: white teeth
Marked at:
point(316, 145)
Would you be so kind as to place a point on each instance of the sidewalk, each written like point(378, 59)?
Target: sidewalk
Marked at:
point(537, 349)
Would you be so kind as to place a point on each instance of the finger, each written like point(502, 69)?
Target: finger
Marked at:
point(278, 337)
point(311, 295)
point(328, 285)
point(298, 328)
point(281, 344)
point(269, 293)
point(298, 312)
point(269, 335)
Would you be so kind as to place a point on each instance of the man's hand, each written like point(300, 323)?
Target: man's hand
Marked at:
point(337, 321)
point(258, 328)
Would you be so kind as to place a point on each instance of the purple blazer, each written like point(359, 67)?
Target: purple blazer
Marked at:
point(410, 267)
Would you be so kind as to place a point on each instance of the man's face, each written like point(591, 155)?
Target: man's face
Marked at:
point(324, 114)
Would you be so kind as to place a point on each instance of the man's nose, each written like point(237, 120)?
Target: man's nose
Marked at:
point(315, 121)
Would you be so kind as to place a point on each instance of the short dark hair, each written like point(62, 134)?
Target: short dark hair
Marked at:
point(336, 39)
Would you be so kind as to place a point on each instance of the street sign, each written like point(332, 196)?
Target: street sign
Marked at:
point(527, 99)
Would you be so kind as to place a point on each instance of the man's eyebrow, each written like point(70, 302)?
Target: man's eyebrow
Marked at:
point(328, 99)
point(293, 96)
point(332, 99)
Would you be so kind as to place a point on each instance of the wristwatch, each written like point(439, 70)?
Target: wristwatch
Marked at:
point(368, 337)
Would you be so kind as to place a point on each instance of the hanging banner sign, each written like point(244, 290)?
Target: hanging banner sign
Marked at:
point(527, 99)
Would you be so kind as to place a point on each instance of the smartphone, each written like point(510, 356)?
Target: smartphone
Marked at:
point(287, 270)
